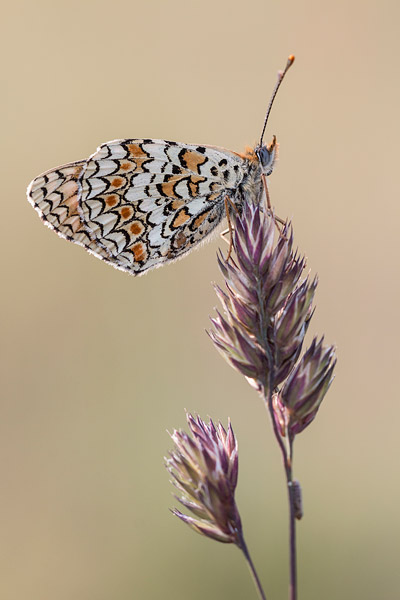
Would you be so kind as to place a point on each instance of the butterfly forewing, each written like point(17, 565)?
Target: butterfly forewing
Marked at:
point(145, 202)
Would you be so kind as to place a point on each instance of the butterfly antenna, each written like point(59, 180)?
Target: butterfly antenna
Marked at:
point(281, 75)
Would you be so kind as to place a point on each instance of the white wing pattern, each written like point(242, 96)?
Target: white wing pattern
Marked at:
point(139, 203)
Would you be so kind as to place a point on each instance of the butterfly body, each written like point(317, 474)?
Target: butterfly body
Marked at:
point(139, 203)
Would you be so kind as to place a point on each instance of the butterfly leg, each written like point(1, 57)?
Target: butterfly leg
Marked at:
point(228, 201)
point(264, 180)
point(223, 234)
point(269, 207)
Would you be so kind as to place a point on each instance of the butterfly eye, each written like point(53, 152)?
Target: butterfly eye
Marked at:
point(264, 156)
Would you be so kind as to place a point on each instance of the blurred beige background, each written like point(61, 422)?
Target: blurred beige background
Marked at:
point(96, 365)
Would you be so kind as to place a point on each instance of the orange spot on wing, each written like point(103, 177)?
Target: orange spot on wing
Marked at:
point(139, 252)
point(193, 160)
point(194, 184)
point(136, 151)
point(126, 212)
point(126, 166)
point(168, 187)
point(117, 182)
point(111, 200)
point(177, 204)
point(181, 218)
point(136, 228)
point(198, 221)
point(193, 188)
point(213, 196)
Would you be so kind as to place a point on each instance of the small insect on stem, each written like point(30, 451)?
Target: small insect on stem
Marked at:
point(297, 499)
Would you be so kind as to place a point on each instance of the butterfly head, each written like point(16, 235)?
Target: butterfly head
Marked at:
point(266, 156)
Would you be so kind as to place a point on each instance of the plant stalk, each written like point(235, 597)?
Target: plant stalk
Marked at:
point(257, 582)
point(292, 533)
point(287, 461)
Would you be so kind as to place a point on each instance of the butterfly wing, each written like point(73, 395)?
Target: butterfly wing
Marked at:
point(141, 202)
point(55, 195)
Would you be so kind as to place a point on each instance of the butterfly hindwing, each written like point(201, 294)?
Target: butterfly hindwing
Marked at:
point(55, 196)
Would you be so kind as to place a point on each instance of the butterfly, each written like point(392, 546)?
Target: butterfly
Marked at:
point(140, 203)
